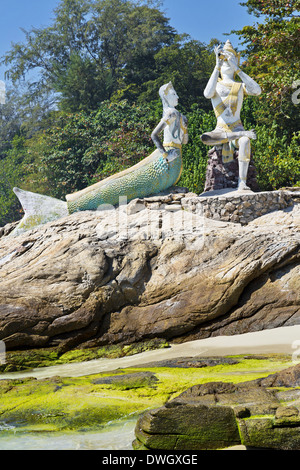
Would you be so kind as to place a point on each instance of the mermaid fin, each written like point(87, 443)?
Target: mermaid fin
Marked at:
point(38, 210)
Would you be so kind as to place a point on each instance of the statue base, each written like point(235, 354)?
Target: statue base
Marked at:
point(221, 176)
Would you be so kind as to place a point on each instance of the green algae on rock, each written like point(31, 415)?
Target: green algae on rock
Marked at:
point(257, 414)
point(30, 359)
point(129, 381)
point(89, 403)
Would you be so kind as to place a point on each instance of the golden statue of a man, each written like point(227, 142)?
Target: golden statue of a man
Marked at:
point(227, 97)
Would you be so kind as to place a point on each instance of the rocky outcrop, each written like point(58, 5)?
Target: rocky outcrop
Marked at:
point(264, 413)
point(129, 381)
point(220, 175)
point(148, 270)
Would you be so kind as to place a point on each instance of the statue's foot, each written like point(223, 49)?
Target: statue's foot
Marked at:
point(242, 186)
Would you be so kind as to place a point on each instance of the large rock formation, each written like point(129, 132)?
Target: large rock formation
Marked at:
point(163, 273)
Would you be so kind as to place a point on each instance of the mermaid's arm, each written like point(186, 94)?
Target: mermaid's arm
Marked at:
point(166, 121)
point(155, 137)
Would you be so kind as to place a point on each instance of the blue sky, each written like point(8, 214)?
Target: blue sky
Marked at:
point(201, 19)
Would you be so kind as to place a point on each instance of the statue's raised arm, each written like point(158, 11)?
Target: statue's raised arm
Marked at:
point(250, 85)
point(211, 86)
point(227, 95)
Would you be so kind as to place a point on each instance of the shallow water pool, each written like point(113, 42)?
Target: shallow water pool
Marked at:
point(115, 436)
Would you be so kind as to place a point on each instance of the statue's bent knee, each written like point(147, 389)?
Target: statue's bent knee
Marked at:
point(244, 141)
point(206, 139)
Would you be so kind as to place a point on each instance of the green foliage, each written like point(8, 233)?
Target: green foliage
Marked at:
point(81, 87)
point(10, 122)
point(277, 159)
point(275, 8)
point(276, 151)
point(92, 50)
point(11, 174)
point(273, 58)
point(84, 148)
point(23, 115)
point(188, 65)
point(195, 153)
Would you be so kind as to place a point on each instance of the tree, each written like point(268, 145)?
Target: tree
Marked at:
point(85, 56)
point(188, 64)
point(83, 148)
point(24, 114)
point(11, 174)
point(273, 57)
point(274, 8)
point(10, 121)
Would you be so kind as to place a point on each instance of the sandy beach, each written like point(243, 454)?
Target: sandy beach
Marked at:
point(277, 341)
point(284, 340)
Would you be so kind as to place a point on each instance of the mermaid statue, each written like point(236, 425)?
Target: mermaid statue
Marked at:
point(157, 172)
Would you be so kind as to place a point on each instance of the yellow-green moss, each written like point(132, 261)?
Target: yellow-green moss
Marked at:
point(17, 361)
point(79, 403)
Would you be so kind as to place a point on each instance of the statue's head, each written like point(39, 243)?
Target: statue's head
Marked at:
point(228, 49)
point(168, 95)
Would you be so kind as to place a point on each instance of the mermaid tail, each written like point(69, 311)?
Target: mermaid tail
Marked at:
point(38, 210)
point(150, 176)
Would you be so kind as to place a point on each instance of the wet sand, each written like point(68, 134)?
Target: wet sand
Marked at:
point(284, 340)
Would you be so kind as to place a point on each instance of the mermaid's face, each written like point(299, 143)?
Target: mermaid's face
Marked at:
point(172, 98)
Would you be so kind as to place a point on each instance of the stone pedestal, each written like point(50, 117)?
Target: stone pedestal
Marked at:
point(222, 176)
point(239, 207)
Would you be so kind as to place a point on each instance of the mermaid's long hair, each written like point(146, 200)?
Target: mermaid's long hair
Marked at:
point(163, 93)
